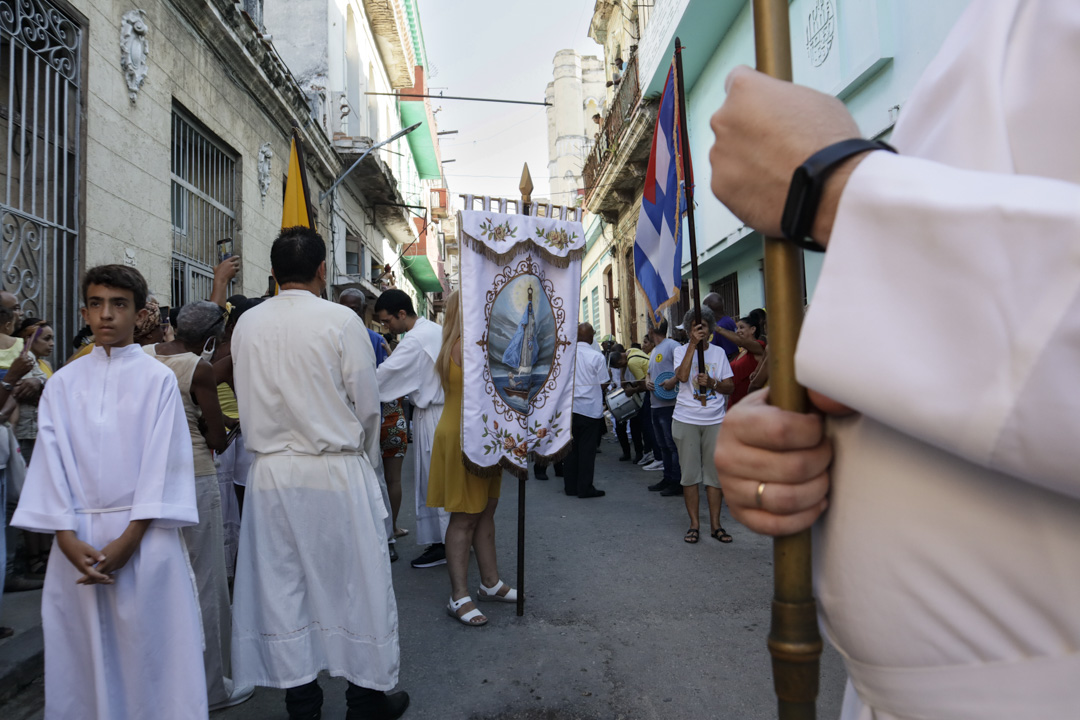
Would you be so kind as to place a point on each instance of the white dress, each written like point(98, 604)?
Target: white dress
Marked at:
point(947, 564)
point(113, 446)
point(410, 370)
point(313, 589)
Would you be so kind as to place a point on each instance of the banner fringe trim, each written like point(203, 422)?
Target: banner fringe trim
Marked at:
point(520, 248)
point(492, 471)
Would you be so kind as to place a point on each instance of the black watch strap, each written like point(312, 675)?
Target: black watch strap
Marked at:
point(808, 182)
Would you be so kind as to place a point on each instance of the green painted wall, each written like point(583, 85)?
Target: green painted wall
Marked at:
point(881, 48)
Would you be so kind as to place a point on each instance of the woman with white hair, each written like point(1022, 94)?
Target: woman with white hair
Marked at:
point(699, 410)
point(198, 326)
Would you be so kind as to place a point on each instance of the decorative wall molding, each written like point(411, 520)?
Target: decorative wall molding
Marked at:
point(134, 50)
point(265, 156)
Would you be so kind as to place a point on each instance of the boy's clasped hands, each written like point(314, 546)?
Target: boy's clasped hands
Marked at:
point(96, 565)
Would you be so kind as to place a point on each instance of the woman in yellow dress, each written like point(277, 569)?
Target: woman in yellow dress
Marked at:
point(470, 499)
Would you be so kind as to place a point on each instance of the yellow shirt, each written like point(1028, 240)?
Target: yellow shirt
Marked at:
point(84, 350)
point(638, 363)
point(8, 356)
point(227, 400)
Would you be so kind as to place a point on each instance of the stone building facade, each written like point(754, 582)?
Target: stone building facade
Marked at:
point(145, 136)
point(614, 170)
point(577, 95)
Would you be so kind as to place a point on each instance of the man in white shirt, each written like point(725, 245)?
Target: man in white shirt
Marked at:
point(313, 584)
point(945, 566)
point(410, 370)
point(590, 381)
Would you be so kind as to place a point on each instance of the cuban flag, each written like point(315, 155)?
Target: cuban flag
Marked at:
point(658, 244)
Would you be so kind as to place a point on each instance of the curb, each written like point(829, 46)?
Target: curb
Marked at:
point(22, 660)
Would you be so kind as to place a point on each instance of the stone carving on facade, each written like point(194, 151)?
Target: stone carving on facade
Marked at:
point(820, 31)
point(134, 50)
point(265, 155)
point(129, 257)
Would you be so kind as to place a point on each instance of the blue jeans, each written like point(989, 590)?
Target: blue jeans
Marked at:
point(665, 443)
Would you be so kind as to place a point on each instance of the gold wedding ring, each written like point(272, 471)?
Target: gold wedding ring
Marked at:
point(760, 492)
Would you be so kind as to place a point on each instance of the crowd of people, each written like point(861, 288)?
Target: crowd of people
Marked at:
point(131, 482)
point(202, 531)
point(664, 409)
point(244, 451)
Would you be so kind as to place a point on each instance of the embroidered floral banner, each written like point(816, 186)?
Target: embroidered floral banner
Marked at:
point(520, 287)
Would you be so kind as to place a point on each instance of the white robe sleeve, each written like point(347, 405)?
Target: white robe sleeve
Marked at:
point(361, 385)
point(165, 488)
point(46, 504)
point(398, 374)
point(960, 294)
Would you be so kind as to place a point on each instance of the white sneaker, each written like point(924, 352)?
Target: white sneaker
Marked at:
point(237, 696)
point(657, 465)
point(646, 460)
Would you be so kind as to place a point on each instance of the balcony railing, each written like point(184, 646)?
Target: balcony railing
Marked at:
point(618, 116)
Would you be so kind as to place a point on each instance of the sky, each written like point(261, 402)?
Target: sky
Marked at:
point(498, 49)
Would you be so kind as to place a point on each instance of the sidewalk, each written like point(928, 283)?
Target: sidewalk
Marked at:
point(22, 656)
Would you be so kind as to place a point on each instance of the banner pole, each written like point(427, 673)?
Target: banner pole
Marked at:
point(688, 185)
point(526, 188)
point(794, 641)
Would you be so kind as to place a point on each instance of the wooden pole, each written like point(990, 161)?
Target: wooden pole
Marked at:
point(526, 188)
point(794, 641)
point(688, 185)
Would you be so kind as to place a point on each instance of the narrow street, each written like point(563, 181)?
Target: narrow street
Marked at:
point(623, 620)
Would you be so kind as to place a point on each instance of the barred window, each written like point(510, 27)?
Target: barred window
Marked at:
point(205, 196)
point(596, 309)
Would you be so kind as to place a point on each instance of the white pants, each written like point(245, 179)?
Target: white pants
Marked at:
point(206, 549)
point(431, 523)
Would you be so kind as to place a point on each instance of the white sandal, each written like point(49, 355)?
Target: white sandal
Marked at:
point(491, 594)
point(467, 618)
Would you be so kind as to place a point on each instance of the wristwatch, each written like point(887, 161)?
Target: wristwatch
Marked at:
point(6, 385)
point(808, 182)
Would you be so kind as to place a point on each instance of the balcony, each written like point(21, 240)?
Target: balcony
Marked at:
point(618, 117)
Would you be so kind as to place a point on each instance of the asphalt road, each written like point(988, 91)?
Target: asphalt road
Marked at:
point(623, 620)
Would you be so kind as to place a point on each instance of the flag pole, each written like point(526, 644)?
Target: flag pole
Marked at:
point(794, 641)
point(526, 188)
point(688, 185)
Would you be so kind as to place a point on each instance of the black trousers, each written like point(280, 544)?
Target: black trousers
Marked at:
point(305, 701)
point(644, 417)
point(580, 463)
point(637, 436)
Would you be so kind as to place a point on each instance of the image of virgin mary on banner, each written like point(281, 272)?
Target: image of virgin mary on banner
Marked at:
point(520, 287)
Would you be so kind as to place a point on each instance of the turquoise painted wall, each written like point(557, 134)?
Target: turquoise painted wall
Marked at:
point(881, 48)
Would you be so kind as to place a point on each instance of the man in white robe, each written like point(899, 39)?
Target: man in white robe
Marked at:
point(410, 370)
point(113, 458)
point(313, 588)
point(946, 564)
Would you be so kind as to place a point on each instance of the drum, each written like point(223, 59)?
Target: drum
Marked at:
point(661, 392)
point(623, 406)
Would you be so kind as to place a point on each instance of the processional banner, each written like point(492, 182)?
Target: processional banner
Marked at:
point(520, 285)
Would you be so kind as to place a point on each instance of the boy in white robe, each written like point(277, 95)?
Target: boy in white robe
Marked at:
point(313, 587)
point(410, 370)
point(113, 477)
point(946, 564)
